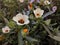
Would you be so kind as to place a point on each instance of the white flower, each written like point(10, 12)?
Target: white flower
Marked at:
point(38, 12)
point(21, 19)
point(21, 1)
point(46, 2)
point(6, 29)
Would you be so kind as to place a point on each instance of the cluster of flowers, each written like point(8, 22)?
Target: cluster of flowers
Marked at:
point(22, 19)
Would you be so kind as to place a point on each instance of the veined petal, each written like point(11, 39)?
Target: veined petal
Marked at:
point(46, 2)
point(15, 18)
point(25, 16)
point(19, 23)
point(6, 29)
point(38, 12)
point(26, 22)
point(42, 11)
point(21, 1)
point(19, 15)
point(20, 19)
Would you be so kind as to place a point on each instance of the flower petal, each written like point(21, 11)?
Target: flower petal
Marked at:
point(25, 16)
point(6, 28)
point(20, 16)
point(20, 23)
point(17, 17)
point(26, 22)
point(42, 11)
point(46, 2)
point(21, 1)
point(38, 11)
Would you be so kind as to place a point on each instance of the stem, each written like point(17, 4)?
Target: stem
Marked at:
point(20, 39)
point(34, 28)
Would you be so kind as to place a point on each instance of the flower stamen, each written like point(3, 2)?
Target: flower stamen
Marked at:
point(6, 30)
point(38, 14)
point(21, 21)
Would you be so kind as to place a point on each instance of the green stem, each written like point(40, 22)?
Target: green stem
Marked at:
point(20, 38)
point(34, 28)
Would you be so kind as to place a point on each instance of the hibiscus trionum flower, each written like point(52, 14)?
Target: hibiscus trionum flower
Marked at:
point(38, 12)
point(46, 2)
point(6, 29)
point(21, 19)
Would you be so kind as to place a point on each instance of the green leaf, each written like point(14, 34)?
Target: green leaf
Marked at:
point(57, 38)
point(47, 22)
point(31, 39)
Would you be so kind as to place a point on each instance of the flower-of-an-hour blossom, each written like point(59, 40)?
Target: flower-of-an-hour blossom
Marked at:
point(21, 1)
point(21, 19)
point(6, 29)
point(46, 2)
point(54, 8)
point(38, 12)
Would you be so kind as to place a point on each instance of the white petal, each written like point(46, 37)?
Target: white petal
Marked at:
point(15, 18)
point(25, 16)
point(26, 22)
point(21, 1)
point(19, 15)
point(41, 12)
point(5, 28)
point(19, 23)
point(38, 11)
point(46, 2)
point(4, 31)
